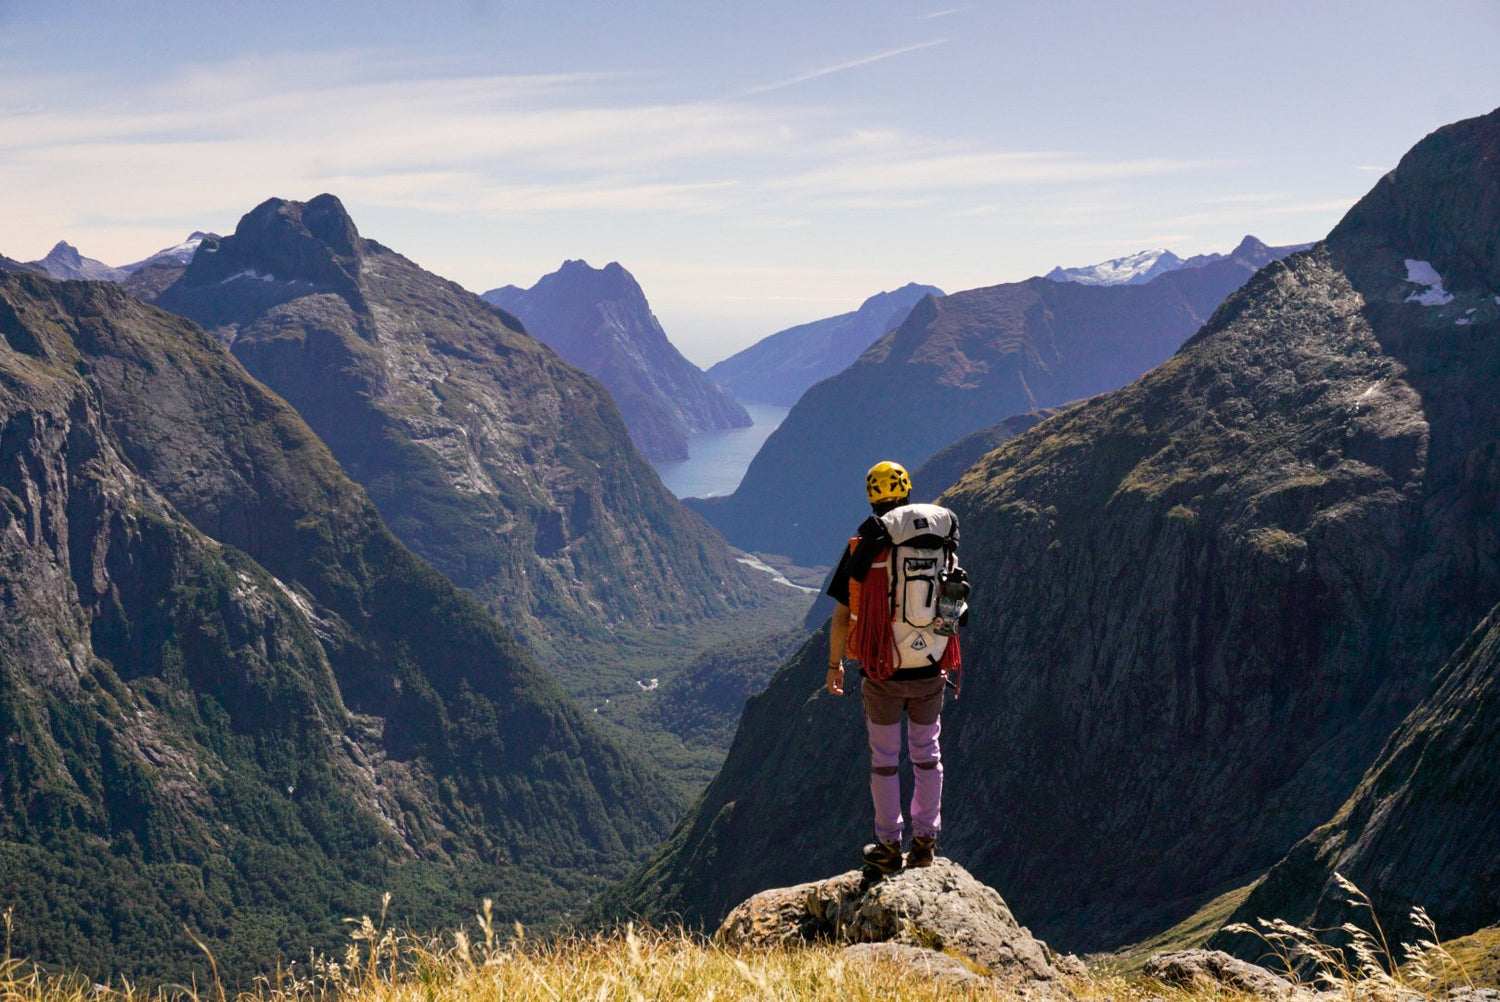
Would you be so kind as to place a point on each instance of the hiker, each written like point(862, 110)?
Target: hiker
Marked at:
point(887, 585)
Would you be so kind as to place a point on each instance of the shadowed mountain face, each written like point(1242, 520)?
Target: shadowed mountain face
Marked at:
point(230, 698)
point(1419, 830)
point(956, 365)
point(778, 369)
point(500, 463)
point(599, 320)
point(1201, 603)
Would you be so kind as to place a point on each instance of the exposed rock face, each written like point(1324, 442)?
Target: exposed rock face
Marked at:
point(778, 369)
point(956, 365)
point(64, 262)
point(500, 463)
point(941, 907)
point(229, 696)
point(599, 320)
point(1201, 603)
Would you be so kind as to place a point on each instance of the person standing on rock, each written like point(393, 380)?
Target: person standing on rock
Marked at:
point(900, 597)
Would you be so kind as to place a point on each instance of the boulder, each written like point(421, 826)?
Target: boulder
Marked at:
point(1209, 969)
point(940, 909)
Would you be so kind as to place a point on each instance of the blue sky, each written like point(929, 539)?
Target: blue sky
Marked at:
point(754, 165)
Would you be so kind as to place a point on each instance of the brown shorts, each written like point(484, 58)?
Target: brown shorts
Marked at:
point(885, 700)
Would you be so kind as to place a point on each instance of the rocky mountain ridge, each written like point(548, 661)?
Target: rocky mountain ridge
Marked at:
point(1201, 603)
point(779, 368)
point(599, 320)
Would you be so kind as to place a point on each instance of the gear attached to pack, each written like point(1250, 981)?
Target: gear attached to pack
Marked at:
point(887, 481)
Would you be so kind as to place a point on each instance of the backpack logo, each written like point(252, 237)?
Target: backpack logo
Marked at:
point(919, 644)
point(920, 523)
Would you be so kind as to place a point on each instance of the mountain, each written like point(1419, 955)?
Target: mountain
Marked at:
point(488, 455)
point(64, 262)
point(1143, 266)
point(148, 278)
point(778, 369)
point(1133, 269)
point(957, 364)
point(1202, 603)
point(599, 320)
point(1419, 830)
point(11, 264)
point(178, 255)
point(231, 700)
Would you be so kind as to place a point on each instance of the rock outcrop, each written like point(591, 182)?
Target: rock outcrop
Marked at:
point(1211, 970)
point(599, 320)
point(938, 909)
point(778, 369)
point(1202, 603)
point(956, 365)
point(229, 698)
point(487, 454)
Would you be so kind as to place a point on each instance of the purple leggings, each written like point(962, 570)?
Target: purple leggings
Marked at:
point(922, 702)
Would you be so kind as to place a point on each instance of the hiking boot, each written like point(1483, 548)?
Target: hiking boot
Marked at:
point(884, 856)
point(923, 849)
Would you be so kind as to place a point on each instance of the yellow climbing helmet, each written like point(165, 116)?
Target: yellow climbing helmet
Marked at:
point(887, 481)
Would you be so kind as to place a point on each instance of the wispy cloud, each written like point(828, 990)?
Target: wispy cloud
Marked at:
point(840, 67)
point(939, 13)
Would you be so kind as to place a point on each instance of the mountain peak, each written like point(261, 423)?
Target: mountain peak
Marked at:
point(1439, 206)
point(281, 241)
point(64, 252)
point(64, 262)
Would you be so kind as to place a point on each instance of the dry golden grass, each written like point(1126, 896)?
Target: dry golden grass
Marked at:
point(498, 965)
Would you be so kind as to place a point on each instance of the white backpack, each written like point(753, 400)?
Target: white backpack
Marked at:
point(924, 540)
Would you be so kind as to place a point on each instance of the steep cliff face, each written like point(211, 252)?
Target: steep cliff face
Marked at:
point(1202, 602)
point(490, 456)
point(229, 697)
point(778, 369)
point(956, 365)
point(598, 319)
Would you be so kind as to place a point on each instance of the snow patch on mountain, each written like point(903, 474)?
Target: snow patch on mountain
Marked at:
point(1424, 274)
point(1133, 269)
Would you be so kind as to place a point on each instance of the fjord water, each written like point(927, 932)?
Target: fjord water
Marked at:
point(718, 459)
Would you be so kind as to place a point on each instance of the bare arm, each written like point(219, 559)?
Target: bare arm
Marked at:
point(838, 636)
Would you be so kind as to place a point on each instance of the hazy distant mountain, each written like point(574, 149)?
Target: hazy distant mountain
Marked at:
point(1143, 266)
point(502, 464)
point(1133, 269)
point(178, 254)
point(148, 278)
point(957, 364)
point(64, 263)
point(11, 264)
point(778, 369)
point(599, 320)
